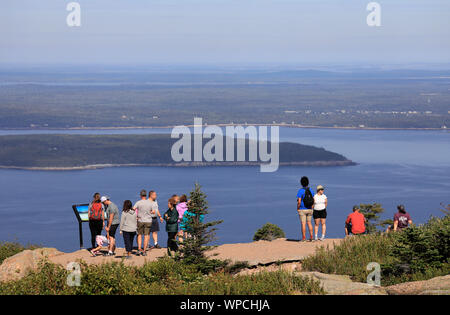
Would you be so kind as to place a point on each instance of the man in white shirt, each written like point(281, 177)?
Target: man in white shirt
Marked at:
point(144, 222)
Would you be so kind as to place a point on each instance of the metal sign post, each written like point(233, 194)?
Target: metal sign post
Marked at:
point(81, 212)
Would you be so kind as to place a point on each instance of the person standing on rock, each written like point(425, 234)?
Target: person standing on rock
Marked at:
point(320, 212)
point(355, 223)
point(128, 226)
point(181, 209)
point(96, 215)
point(154, 229)
point(112, 222)
point(144, 222)
point(171, 218)
point(305, 202)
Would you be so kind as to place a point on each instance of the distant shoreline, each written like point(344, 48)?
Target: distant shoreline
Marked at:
point(300, 126)
point(184, 164)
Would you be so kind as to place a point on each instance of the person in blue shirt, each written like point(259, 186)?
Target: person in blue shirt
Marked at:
point(305, 201)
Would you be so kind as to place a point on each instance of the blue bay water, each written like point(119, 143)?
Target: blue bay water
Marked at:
point(402, 166)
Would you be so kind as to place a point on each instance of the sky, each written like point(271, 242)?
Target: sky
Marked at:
point(224, 32)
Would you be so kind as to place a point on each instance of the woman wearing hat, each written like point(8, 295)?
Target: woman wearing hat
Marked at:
point(320, 212)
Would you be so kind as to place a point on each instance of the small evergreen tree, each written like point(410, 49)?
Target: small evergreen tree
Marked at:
point(269, 232)
point(199, 233)
point(371, 213)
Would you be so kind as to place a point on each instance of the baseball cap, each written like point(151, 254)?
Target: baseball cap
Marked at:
point(104, 198)
point(355, 207)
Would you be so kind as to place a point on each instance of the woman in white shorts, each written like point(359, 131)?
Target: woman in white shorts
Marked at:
point(320, 212)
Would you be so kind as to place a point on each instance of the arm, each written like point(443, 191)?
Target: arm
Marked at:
point(326, 203)
point(111, 217)
point(121, 222)
point(173, 219)
point(395, 225)
point(159, 215)
point(299, 202)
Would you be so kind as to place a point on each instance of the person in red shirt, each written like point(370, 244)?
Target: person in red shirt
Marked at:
point(355, 223)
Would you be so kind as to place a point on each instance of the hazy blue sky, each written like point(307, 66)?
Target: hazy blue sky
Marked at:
point(224, 31)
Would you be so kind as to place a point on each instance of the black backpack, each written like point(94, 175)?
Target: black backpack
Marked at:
point(308, 199)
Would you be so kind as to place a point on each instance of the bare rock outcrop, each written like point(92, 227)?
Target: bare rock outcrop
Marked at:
point(343, 285)
point(15, 267)
point(434, 286)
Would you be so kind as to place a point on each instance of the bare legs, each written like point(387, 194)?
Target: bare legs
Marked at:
point(318, 222)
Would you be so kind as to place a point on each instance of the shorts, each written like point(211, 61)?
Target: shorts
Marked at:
point(155, 225)
point(305, 215)
point(112, 230)
point(320, 214)
point(143, 228)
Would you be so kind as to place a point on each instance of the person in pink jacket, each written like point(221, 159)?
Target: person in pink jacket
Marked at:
point(181, 208)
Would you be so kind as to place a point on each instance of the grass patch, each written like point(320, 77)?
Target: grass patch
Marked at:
point(164, 276)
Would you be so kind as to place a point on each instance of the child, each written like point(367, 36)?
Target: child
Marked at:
point(171, 218)
point(181, 208)
point(101, 241)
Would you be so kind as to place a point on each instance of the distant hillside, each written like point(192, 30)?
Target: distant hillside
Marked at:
point(82, 151)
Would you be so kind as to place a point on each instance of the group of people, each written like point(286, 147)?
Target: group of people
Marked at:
point(141, 219)
point(313, 205)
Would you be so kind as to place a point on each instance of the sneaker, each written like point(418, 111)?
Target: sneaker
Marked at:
point(143, 253)
point(110, 254)
point(157, 246)
point(322, 238)
point(92, 253)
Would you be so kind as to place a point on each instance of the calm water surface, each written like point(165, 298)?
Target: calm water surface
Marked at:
point(410, 167)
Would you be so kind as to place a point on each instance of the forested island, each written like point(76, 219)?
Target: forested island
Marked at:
point(67, 152)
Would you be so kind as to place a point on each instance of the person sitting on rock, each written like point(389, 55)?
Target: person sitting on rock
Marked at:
point(355, 223)
point(402, 220)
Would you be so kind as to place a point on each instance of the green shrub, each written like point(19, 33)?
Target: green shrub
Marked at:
point(351, 256)
point(420, 250)
point(423, 250)
point(269, 232)
point(8, 249)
